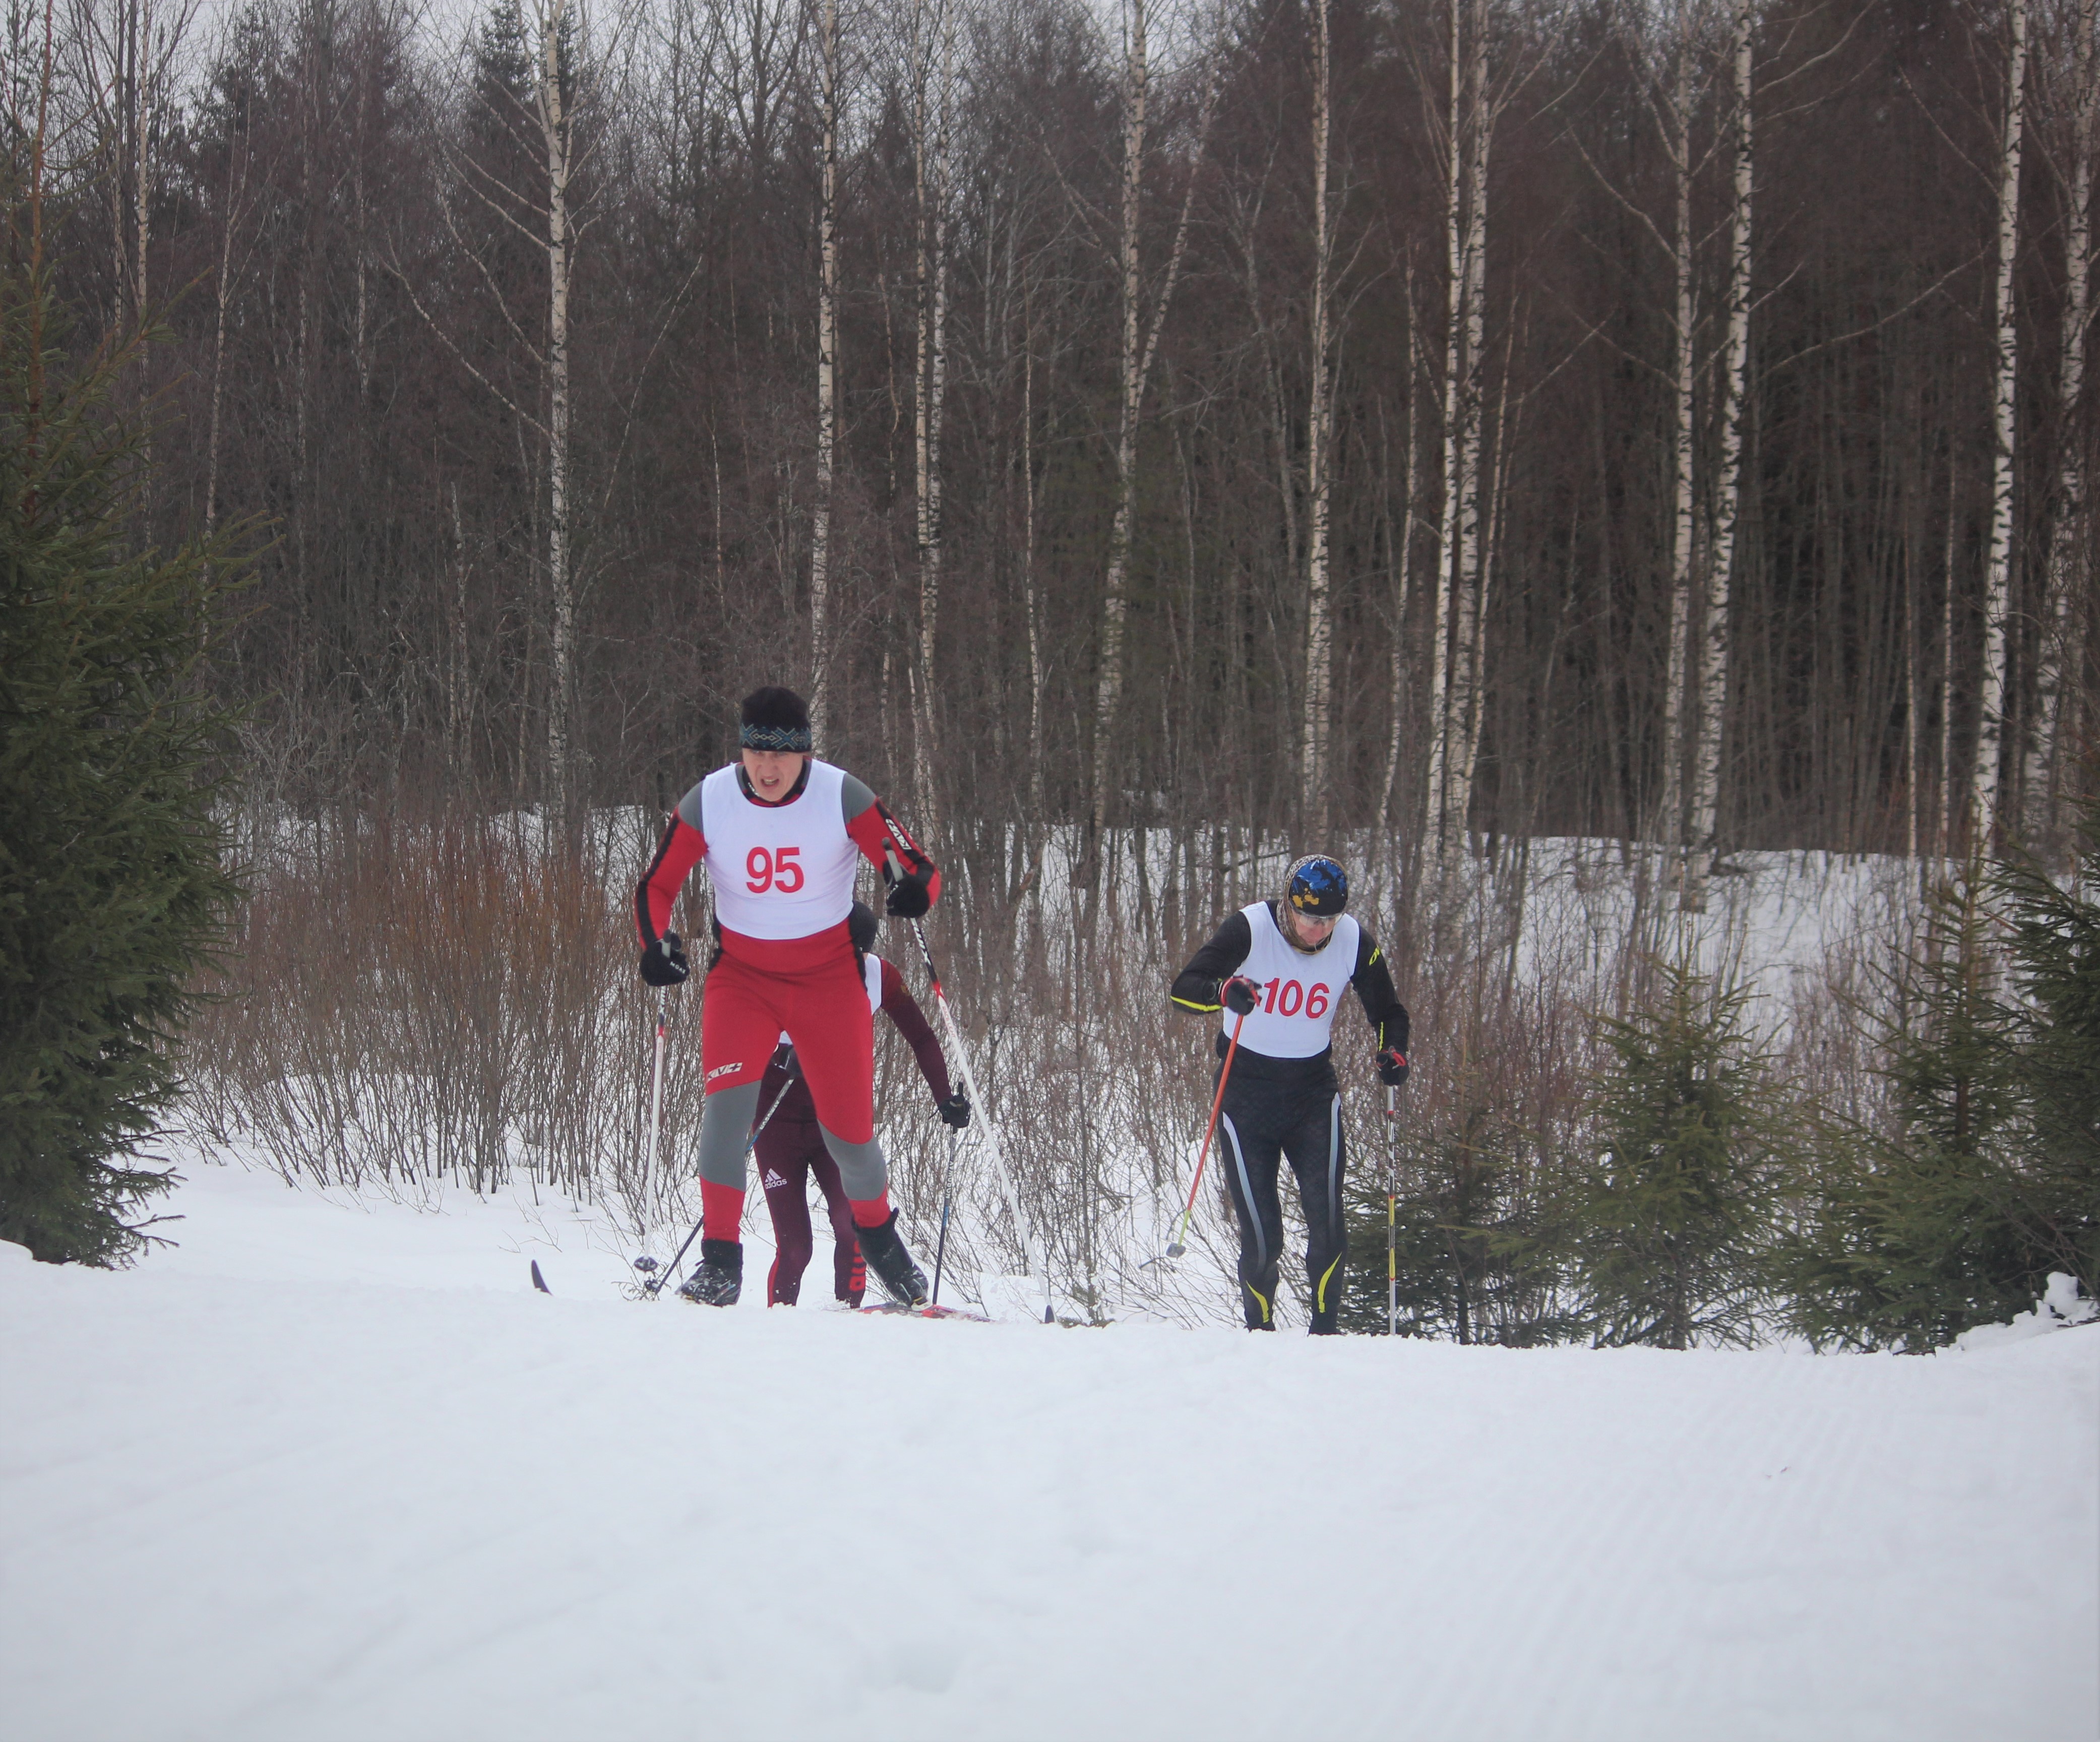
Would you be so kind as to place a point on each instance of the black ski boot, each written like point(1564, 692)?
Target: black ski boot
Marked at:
point(891, 1265)
point(718, 1278)
point(1323, 1325)
point(1259, 1302)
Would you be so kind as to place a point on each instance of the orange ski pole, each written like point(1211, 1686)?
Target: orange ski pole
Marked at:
point(1176, 1248)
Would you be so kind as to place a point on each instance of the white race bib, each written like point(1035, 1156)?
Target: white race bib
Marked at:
point(778, 871)
point(1295, 1017)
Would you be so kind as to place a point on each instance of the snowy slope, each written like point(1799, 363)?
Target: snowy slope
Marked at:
point(329, 1472)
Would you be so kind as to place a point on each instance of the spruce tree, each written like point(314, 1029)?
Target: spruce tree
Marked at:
point(112, 884)
point(1904, 1238)
point(1478, 1239)
point(1677, 1214)
point(2052, 1184)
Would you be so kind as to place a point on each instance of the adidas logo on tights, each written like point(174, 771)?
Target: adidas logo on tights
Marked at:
point(774, 1182)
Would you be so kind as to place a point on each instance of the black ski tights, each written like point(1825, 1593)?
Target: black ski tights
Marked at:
point(1260, 1122)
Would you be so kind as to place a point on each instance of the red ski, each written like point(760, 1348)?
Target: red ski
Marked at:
point(927, 1312)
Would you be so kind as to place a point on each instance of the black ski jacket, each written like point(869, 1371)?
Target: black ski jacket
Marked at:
point(1196, 987)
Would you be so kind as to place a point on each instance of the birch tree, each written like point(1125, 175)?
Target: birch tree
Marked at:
point(544, 122)
point(1712, 670)
point(1453, 677)
point(1447, 528)
point(931, 37)
point(1674, 112)
point(1314, 774)
point(557, 130)
point(1467, 655)
point(1993, 765)
point(1399, 542)
point(827, 347)
point(1140, 331)
point(2068, 578)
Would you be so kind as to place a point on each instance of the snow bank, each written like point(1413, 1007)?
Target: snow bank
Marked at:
point(2058, 1309)
point(337, 1472)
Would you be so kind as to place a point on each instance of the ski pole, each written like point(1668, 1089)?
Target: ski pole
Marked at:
point(970, 1081)
point(1391, 1212)
point(656, 1082)
point(657, 1282)
point(1175, 1248)
point(940, 1248)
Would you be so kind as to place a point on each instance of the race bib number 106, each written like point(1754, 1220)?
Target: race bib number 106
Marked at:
point(1287, 997)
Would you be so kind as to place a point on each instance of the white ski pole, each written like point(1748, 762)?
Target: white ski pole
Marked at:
point(656, 1086)
point(970, 1081)
point(1392, 1202)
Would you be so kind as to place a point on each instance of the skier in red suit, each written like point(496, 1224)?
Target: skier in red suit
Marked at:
point(781, 834)
point(790, 1147)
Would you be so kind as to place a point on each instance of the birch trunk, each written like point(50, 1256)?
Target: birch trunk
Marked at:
point(931, 179)
point(1948, 820)
point(1313, 748)
point(1480, 594)
point(554, 126)
point(1703, 846)
point(1447, 529)
point(827, 342)
point(2069, 578)
point(922, 79)
point(141, 204)
point(1399, 533)
point(223, 294)
point(1669, 820)
point(1114, 604)
point(1986, 785)
point(1140, 346)
point(1035, 674)
point(1463, 726)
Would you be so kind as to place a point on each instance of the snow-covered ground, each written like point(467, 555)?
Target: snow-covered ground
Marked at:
point(335, 1470)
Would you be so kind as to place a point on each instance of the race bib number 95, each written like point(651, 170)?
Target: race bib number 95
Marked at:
point(780, 871)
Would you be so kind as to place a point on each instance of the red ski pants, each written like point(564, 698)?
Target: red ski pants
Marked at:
point(824, 1011)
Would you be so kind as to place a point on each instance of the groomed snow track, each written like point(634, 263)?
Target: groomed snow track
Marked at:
point(242, 1508)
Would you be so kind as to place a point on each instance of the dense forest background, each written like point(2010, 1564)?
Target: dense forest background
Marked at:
point(1158, 439)
point(1502, 418)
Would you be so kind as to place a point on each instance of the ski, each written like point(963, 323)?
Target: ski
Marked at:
point(927, 1312)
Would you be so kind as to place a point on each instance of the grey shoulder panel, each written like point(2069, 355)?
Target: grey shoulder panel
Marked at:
point(855, 796)
point(689, 807)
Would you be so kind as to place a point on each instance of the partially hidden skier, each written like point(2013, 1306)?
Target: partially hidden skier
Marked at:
point(781, 834)
point(790, 1147)
point(1275, 970)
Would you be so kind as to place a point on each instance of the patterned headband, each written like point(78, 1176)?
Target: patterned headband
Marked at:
point(775, 737)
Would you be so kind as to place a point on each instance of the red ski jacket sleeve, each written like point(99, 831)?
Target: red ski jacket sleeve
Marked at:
point(901, 1008)
point(874, 831)
point(683, 847)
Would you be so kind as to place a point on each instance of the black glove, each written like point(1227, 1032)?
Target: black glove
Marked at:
point(664, 962)
point(955, 1110)
point(1239, 994)
point(1392, 1067)
point(910, 896)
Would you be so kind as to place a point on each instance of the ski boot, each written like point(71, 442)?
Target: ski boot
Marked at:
point(718, 1278)
point(891, 1265)
point(1324, 1324)
point(1258, 1303)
